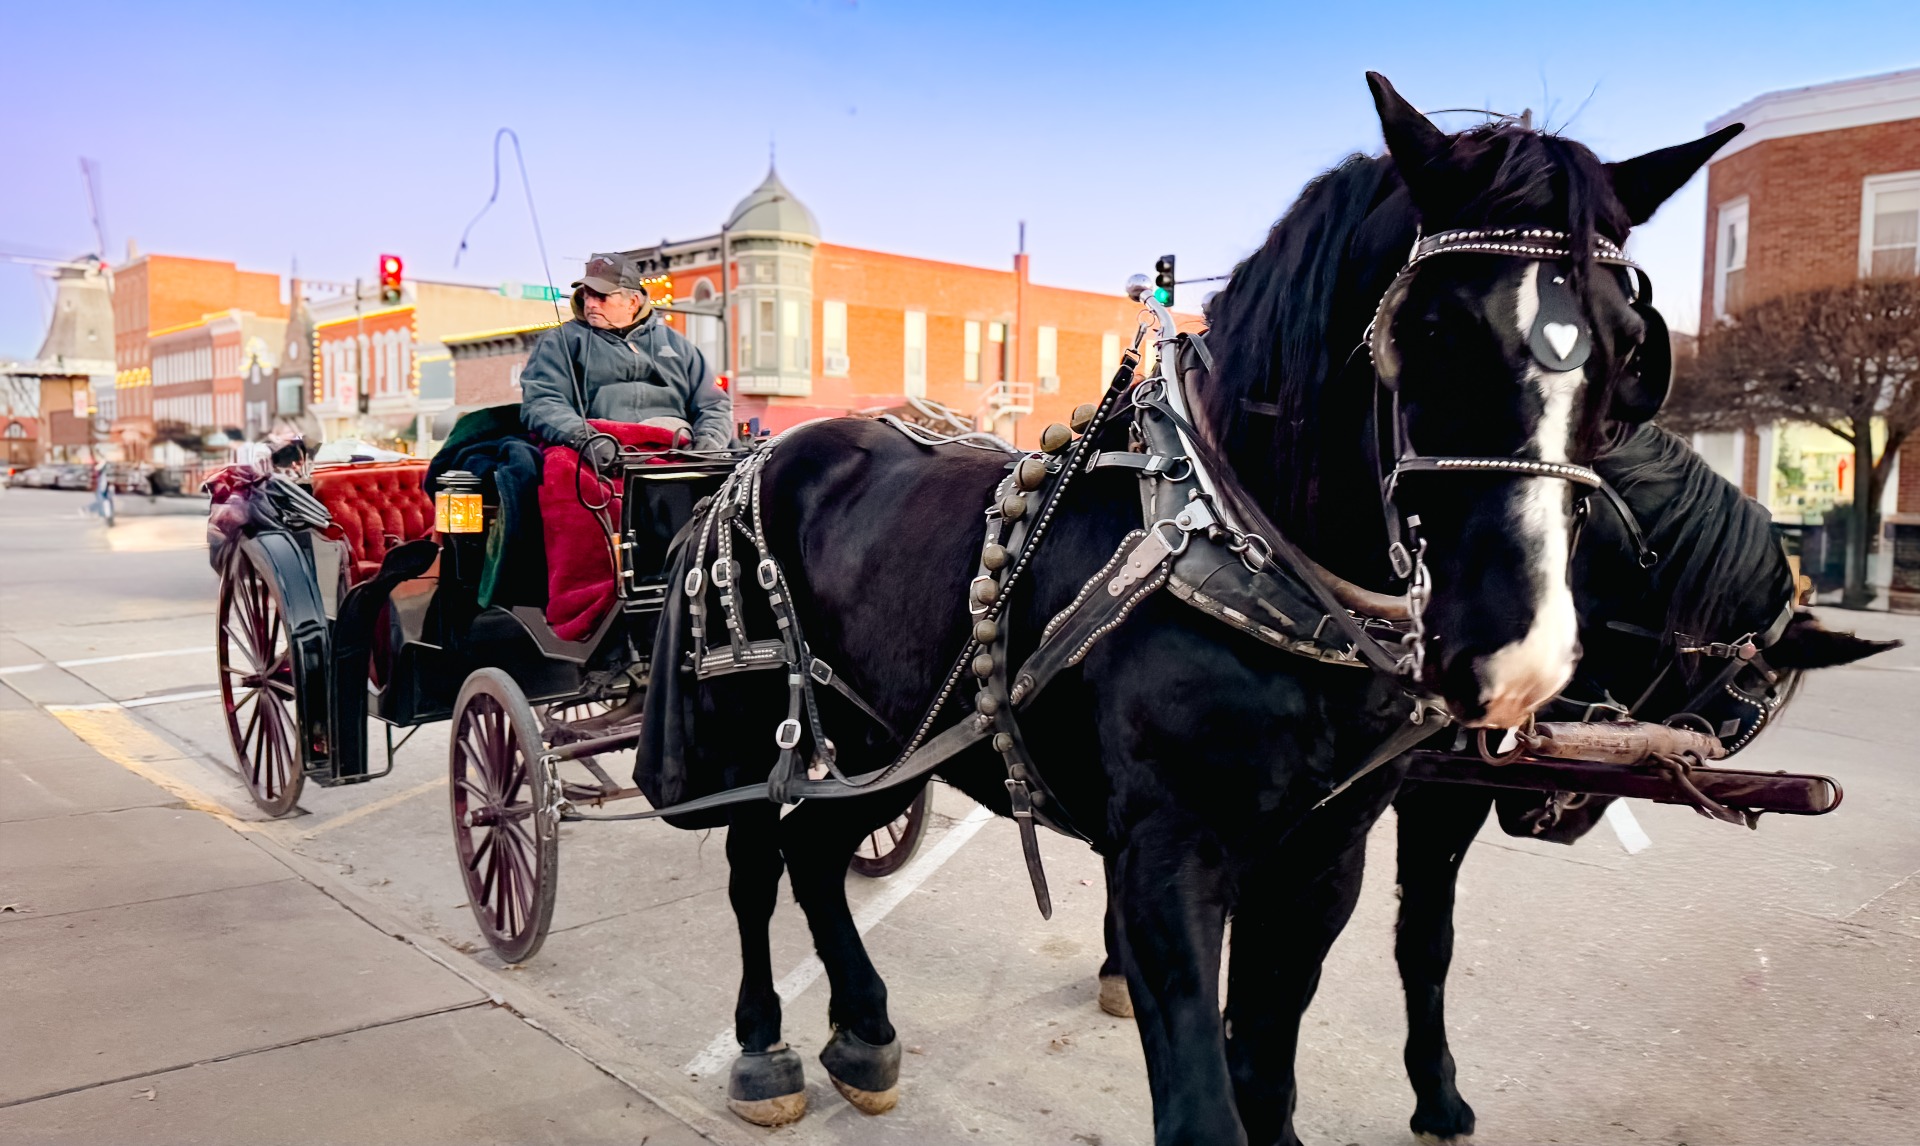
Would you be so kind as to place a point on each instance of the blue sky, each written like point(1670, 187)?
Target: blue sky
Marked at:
point(265, 133)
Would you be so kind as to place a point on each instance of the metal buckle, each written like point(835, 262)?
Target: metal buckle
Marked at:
point(767, 572)
point(696, 581)
point(722, 574)
point(1400, 560)
point(820, 671)
point(976, 607)
point(787, 735)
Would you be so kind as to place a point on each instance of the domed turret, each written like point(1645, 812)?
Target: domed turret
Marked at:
point(772, 209)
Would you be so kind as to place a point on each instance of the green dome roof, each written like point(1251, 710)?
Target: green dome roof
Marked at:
point(771, 207)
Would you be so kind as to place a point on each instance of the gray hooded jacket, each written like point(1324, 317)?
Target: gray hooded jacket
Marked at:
point(576, 372)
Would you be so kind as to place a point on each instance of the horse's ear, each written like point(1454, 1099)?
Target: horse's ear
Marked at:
point(1416, 145)
point(1807, 644)
point(1644, 182)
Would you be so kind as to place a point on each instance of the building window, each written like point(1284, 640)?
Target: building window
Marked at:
point(793, 339)
point(766, 337)
point(1730, 259)
point(999, 347)
point(704, 329)
point(916, 362)
point(970, 352)
point(1109, 357)
point(1046, 347)
point(1890, 225)
point(833, 339)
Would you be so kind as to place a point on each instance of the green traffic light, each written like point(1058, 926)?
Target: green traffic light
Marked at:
point(1162, 295)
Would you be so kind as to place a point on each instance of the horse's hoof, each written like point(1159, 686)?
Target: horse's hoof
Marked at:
point(1115, 998)
point(1426, 1139)
point(768, 1088)
point(867, 1076)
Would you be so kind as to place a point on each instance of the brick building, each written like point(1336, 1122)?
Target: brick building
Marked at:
point(814, 329)
point(197, 372)
point(165, 293)
point(381, 371)
point(1822, 186)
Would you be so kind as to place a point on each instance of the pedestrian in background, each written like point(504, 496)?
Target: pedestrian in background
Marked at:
point(102, 492)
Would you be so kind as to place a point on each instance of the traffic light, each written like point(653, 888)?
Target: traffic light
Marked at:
point(1163, 280)
point(390, 269)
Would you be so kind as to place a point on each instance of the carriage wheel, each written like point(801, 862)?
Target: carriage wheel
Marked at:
point(889, 847)
point(505, 826)
point(255, 655)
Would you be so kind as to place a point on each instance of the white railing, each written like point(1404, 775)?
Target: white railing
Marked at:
point(1003, 400)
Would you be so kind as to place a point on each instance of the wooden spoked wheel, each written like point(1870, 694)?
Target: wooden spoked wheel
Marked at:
point(506, 828)
point(255, 654)
point(888, 849)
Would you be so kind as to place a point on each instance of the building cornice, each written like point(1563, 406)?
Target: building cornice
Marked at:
point(1836, 106)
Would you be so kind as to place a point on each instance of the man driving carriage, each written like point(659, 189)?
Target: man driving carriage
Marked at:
point(619, 361)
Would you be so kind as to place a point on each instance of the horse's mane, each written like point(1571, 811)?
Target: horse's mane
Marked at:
point(1720, 566)
point(1294, 311)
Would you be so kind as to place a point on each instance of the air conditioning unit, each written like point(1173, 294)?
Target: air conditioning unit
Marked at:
point(835, 364)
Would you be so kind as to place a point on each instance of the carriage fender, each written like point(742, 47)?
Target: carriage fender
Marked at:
point(353, 643)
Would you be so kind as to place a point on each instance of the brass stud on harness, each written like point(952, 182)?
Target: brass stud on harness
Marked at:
point(1013, 507)
point(1082, 417)
point(985, 591)
point(1055, 438)
point(986, 632)
point(983, 665)
point(1030, 473)
point(986, 704)
point(995, 557)
point(1002, 742)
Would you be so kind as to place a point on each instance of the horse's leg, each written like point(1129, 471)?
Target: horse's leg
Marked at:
point(1437, 824)
point(768, 1084)
point(1171, 889)
point(1286, 921)
point(818, 839)
point(1114, 998)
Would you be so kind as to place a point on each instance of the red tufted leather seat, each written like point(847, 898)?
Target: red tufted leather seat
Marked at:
point(375, 507)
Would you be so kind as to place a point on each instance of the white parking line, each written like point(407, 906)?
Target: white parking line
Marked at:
point(83, 661)
point(1633, 838)
point(169, 698)
point(721, 1051)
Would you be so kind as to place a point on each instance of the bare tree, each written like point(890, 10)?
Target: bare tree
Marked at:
point(1841, 357)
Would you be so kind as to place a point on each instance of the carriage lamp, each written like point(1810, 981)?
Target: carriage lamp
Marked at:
point(457, 507)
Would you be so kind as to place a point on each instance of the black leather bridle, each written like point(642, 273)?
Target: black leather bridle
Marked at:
point(1405, 548)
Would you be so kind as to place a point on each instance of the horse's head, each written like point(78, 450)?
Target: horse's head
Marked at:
point(1515, 334)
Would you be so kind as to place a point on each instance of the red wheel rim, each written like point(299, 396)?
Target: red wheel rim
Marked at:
point(496, 834)
point(888, 847)
point(257, 688)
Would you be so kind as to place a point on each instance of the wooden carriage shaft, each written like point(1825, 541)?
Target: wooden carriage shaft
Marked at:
point(1782, 792)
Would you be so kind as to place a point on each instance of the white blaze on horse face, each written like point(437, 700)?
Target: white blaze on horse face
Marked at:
point(1517, 679)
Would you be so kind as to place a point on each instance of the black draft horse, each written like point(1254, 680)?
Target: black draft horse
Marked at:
point(1146, 745)
point(1721, 574)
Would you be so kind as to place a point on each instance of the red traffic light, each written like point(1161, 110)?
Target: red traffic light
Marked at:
point(390, 272)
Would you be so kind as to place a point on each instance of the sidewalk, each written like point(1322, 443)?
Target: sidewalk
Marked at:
point(169, 977)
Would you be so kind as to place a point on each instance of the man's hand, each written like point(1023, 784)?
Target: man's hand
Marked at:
point(603, 454)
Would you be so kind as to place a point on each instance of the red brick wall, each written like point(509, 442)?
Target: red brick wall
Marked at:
point(1803, 224)
point(486, 380)
point(1909, 495)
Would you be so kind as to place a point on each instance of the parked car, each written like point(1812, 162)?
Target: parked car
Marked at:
point(74, 476)
point(35, 477)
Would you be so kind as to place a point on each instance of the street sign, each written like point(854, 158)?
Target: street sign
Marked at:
point(534, 291)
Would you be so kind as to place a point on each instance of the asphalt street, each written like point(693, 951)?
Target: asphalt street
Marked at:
point(1713, 986)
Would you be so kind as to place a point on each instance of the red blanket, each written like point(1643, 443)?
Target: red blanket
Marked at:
point(580, 567)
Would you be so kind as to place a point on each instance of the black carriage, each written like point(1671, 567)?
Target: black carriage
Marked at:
point(349, 592)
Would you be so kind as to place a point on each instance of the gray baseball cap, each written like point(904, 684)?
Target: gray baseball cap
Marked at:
point(610, 273)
